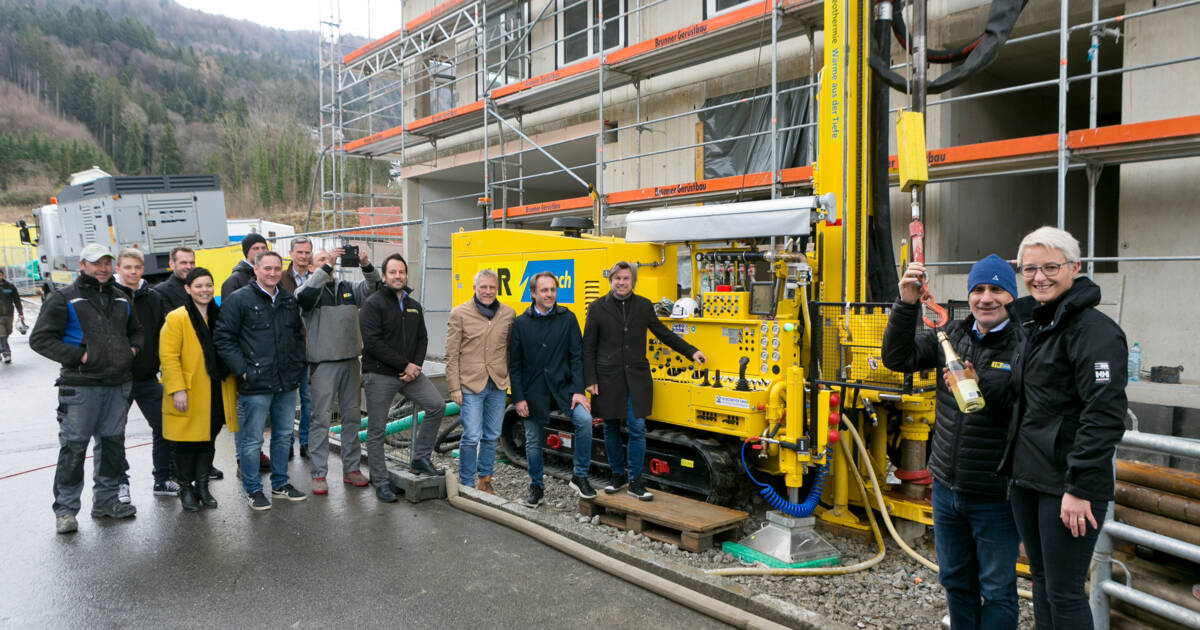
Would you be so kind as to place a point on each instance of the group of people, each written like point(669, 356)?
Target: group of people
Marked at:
point(550, 365)
point(1036, 464)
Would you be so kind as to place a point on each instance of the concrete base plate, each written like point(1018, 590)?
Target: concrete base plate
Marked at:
point(790, 541)
point(417, 488)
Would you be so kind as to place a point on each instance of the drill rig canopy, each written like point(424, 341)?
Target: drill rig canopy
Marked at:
point(749, 219)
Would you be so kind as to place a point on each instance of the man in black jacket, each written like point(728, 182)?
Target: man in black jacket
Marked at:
point(90, 328)
point(394, 344)
point(243, 274)
point(974, 533)
point(1070, 374)
point(10, 302)
point(618, 375)
point(183, 261)
point(545, 372)
point(146, 391)
point(260, 337)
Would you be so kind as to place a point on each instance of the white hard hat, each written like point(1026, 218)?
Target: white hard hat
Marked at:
point(684, 307)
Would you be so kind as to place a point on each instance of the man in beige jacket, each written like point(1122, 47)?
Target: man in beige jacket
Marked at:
point(477, 376)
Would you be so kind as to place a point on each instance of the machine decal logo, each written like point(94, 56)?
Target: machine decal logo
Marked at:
point(563, 269)
point(679, 329)
point(736, 403)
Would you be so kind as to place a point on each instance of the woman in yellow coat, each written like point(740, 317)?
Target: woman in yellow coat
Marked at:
point(199, 393)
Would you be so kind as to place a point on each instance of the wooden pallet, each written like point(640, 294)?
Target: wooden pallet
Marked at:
point(686, 523)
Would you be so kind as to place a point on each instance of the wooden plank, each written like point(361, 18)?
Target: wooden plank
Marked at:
point(673, 511)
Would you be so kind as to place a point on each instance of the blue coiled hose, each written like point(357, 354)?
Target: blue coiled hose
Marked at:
point(777, 502)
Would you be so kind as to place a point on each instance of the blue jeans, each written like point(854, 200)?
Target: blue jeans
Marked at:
point(305, 409)
point(482, 415)
point(976, 541)
point(637, 443)
point(582, 445)
point(253, 413)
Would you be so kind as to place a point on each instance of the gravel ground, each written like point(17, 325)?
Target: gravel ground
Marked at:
point(897, 593)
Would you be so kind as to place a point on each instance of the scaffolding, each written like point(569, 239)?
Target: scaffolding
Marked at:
point(399, 96)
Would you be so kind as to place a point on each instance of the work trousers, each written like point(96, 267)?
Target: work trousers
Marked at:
point(330, 379)
point(6, 328)
point(380, 391)
point(148, 395)
point(86, 413)
point(1058, 561)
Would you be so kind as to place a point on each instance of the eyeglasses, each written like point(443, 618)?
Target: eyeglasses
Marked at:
point(1049, 269)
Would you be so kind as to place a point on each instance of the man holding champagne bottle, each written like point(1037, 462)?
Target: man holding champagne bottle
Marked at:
point(974, 533)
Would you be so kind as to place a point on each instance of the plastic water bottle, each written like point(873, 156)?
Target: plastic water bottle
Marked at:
point(1135, 362)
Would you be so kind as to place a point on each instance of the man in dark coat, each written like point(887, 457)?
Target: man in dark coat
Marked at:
point(10, 302)
point(395, 339)
point(260, 337)
point(618, 375)
point(91, 330)
point(253, 244)
point(974, 532)
point(545, 371)
point(183, 261)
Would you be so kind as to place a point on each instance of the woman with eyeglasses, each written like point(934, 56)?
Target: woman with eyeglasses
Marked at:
point(199, 393)
point(1069, 371)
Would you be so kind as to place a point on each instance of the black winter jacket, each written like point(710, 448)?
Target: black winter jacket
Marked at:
point(88, 318)
point(1070, 374)
point(545, 360)
point(614, 353)
point(172, 293)
point(242, 275)
point(151, 313)
point(10, 300)
point(262, 339)
point(966, 448)
point(393, 335)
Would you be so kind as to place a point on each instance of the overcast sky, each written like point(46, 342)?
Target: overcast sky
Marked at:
point(382, 16)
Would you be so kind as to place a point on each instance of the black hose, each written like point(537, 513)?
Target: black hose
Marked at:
point(881, 273)
point(1002, 16)
point(934, 55)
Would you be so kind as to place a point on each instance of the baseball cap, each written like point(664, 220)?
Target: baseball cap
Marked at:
point(93, 252)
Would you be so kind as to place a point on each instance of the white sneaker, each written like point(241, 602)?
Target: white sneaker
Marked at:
point(123, 493)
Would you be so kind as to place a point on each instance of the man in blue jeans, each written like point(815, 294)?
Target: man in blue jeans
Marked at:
point(618, 375)
point(545, 370)
point(974, 533)
point(477, 376)
point(260, 337)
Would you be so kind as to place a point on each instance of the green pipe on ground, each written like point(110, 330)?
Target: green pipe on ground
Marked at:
point(452, 409)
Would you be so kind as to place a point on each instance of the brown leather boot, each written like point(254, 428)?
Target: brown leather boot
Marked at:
point(485, 484)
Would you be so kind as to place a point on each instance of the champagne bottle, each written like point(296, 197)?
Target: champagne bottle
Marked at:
point(961, 379)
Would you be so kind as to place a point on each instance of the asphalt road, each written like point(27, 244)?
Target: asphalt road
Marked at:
point(340, 560)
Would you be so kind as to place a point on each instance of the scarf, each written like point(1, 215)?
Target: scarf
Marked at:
point(216, 368)
point(485, 310)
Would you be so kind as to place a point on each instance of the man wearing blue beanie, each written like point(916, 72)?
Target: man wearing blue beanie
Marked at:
point(974, 532)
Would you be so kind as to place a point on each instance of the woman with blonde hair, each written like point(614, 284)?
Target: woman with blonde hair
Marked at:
point(199, 393)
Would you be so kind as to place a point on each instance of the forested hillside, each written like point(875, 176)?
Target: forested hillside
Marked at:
point(147, 86)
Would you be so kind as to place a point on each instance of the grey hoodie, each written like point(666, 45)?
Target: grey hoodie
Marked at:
point(330, 313)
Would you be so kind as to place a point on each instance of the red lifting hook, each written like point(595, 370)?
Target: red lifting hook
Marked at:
point(916, 237)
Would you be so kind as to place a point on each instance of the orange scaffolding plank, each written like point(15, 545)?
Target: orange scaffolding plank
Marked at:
point(433, 14)
point(379, 136)
point(550, 77)
point(372, 46)
point(679, 36)
point(1131, 133)
point(428, 124)
point(541, 208)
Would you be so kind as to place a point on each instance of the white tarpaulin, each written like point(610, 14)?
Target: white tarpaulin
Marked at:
point(748, 219)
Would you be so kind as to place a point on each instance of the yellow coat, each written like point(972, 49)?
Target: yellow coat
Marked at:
point(182, 361)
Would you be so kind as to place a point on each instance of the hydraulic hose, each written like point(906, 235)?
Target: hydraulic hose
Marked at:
point(852, 568)
point(701, 603)
point(799, 510)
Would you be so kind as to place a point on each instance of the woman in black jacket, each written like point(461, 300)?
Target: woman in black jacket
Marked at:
point(1070, 376)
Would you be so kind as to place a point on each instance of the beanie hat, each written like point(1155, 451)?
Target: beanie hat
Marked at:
point(993, 270)
point(249, 240)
